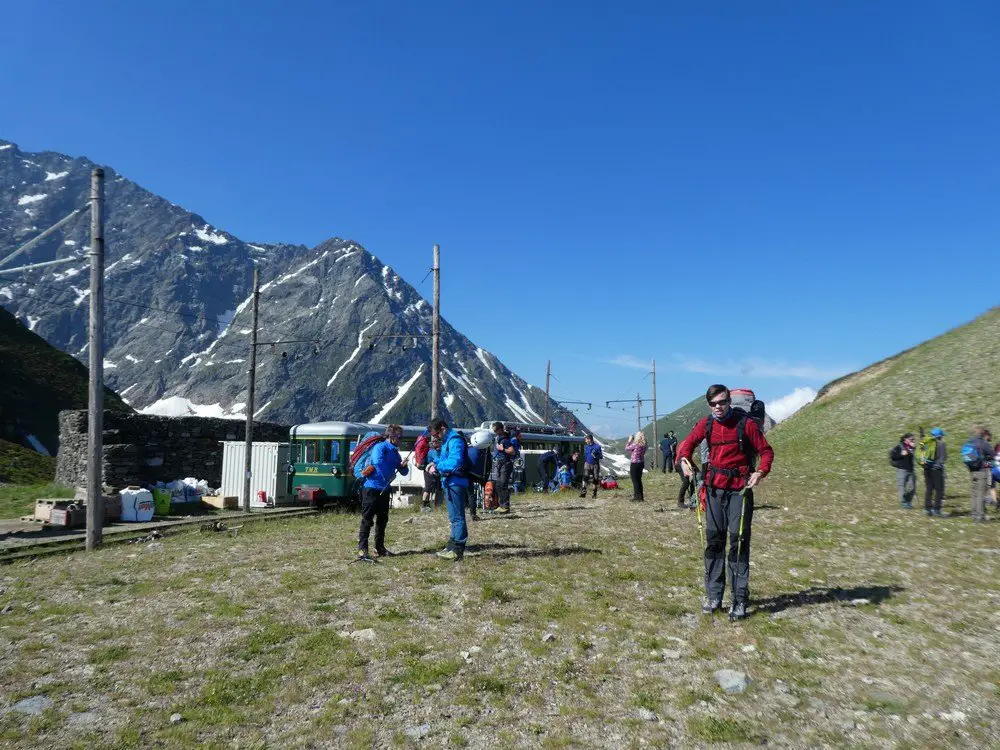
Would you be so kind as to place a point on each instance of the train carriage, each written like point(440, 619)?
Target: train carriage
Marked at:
point(319, 456)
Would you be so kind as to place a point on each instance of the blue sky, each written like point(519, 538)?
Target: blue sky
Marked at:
point(766, 194)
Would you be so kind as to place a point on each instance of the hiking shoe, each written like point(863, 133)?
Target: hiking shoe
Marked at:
point(738, 611)
point(938, 513)
point(929, 512)
point(906, 505)
point(503, 509)
point(384, 553)
point(711, 606)
point(475, 517)
point(363, 555)
point(450, 554)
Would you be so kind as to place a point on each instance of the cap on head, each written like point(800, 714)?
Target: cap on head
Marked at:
point(937, 432)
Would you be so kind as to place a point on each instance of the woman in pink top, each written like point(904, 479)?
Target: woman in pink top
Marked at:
point(636, 448)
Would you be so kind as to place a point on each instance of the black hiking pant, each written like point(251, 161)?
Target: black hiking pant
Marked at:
point(722, 519)
point(501, 475)
point(374, 507)
point(635, 473)
point(546, 471)
point(934, 485)
point(668, 464)
point(687, 489)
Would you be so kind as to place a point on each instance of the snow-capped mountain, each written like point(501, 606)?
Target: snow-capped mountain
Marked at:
point(178, 312)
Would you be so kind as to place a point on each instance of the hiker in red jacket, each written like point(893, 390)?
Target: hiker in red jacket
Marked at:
point(735, 442)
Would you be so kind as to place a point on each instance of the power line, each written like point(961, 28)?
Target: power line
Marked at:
point(74, 306)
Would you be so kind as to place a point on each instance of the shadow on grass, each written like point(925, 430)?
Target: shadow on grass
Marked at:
point(815, 595)
point(499, 550)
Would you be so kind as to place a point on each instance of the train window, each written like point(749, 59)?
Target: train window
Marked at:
point(309, 452)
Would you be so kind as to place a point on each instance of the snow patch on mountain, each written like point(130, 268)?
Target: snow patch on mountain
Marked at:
point(206, 236)
point(400, 392)
point(27, 200)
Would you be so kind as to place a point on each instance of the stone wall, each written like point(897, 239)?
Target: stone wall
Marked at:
point(141, 448)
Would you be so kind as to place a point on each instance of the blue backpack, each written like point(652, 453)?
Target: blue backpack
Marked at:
point(361, 458)
point(972, 456)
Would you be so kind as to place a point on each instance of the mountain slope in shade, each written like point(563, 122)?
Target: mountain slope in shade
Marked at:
point(178, 312)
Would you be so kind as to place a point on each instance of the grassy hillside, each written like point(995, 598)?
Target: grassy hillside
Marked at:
point(951, 381)
point(680, 421)
point(37, 381)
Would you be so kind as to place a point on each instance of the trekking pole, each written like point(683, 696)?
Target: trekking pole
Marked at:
point(739, 540)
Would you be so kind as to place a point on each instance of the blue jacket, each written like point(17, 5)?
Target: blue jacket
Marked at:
point(500, 445)
point(451, 460)
point(592, 454)
point(666, 447)
point(387, 462)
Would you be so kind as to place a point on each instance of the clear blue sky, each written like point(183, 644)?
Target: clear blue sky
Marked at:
point(763, 193)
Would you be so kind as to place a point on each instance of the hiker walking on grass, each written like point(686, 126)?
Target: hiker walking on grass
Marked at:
point(977, 455)
point(735, 443)
point(635, 446)
point(592, 456)
point(385, 464)
point(932, 455)
point(901, 457)
point(450, 465)
point(504, 453)
point(667, 449)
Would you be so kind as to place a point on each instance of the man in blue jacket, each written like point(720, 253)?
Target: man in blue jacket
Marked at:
point(592, 456)
point(451, 465)
point(385, 464)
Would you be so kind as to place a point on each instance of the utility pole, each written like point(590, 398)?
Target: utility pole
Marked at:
point(548, 374)
point(656, 436)
point(252, 375)
point(638, 412)
point(436, 341)
point(95, 402)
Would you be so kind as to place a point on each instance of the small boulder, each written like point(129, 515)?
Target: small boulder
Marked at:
point(646, 715)
point(33, 706)
point(732, 681)
point(176, 718)
point(417, 733)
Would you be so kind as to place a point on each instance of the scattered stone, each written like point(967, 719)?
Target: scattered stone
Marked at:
point(868, 680)
point(646, 715)
point(860, 602)
point(408, 520)
point(749, 648)
point(913, 719)
point(955, 717)
point(417, 733)
point(612, 609)
point(669, 653)
point(83, 719)
point(176, 718)
point(548, 637)
point(732, 681)
point(340, 730)
point(154, 545)
point(781, 686)
point(7, 608)
point(848, 725)
point(33, 706)
point(818, 706)
point(344, 702)
point(877, 634)
point(474, 649)
point(675, 639)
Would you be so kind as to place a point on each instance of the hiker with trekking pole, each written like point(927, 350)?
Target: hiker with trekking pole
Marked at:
point(735, 442)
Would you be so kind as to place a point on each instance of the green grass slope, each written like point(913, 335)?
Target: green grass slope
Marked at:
point(680, 421)
point(37, 381)
point(951, 382)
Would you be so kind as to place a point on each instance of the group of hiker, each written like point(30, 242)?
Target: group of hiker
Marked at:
point(735, 458)
point(930, 452)
point(668, 447)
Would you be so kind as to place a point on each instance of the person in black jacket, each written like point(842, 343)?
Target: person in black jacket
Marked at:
point(901, 457)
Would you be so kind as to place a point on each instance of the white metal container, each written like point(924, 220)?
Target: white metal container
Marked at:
point(268, 470)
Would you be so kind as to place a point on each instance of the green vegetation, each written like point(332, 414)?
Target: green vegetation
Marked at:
point(17, 500)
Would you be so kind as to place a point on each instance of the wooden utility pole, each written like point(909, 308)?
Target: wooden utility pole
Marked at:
point(436, 340)
point(548, 374)
point(95, 403)
point(656, 436)
point(638, 412)
point(252, 376)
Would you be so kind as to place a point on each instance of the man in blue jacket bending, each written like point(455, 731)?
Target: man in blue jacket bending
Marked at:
point(385, 464)
point(451, 465)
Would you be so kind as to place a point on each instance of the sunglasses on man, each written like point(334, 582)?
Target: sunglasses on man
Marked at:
point(720, 402)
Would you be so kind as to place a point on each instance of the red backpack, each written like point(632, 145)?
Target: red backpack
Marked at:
point(421, 449)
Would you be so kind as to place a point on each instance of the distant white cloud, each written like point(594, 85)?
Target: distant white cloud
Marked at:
point(760, 368)
point(782, 408)
point(627, 360)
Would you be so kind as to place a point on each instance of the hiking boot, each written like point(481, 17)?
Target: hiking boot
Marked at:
point(363, 555)
point(503, 509)
point(738, 611)
point(929, 512)
point(448, 554)
point(711, 606)
point(906, 505)
point(938, 512)
point(475, 517)
point(384, 553)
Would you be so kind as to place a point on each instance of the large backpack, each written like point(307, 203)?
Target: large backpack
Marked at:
point(926, 451)
point(361, 457)
point(972, 454)
point(476, 463)
point(420, 450)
